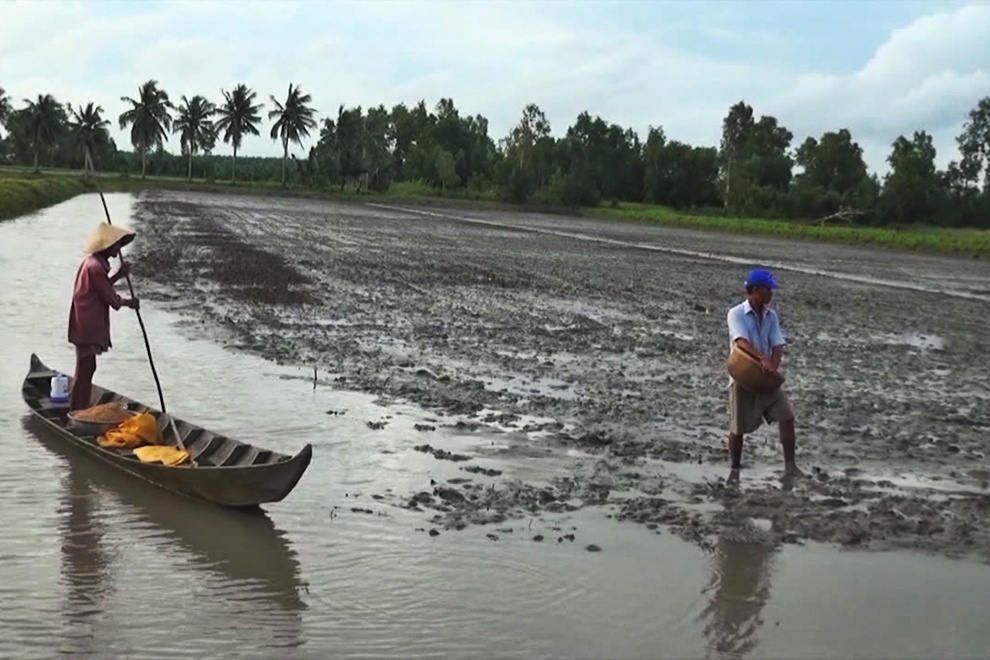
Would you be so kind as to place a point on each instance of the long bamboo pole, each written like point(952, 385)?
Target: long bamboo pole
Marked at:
point(144, 332)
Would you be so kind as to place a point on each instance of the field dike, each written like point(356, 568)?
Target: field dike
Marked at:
point(20, 195)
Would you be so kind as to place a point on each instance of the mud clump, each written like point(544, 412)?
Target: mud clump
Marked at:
point(488, 472)
point(583, 351)
point(456, 507)
point(441, 454)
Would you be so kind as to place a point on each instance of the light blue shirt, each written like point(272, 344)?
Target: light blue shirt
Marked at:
point(762, 331)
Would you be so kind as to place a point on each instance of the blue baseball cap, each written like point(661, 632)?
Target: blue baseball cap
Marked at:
point(761, 277)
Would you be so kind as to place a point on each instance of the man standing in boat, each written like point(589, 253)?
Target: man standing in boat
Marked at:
point(92, 297)
point(756, 327)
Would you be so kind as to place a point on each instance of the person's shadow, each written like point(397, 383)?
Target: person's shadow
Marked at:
point(737, 593)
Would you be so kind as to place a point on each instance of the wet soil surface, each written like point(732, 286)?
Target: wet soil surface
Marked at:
point(613, 355)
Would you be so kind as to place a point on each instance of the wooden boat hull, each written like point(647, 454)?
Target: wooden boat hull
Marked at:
point(213, 536)
point(226, 471)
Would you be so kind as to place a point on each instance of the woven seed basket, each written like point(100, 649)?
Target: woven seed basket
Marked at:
point(745, 369)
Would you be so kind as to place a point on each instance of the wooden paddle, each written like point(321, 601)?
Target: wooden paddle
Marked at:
point(147, 345)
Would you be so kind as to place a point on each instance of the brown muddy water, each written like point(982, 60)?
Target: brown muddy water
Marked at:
point(574, 384)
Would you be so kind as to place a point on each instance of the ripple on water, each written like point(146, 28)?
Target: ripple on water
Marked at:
point(435, 595)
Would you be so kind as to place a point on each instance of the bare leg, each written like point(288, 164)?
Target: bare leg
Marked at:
point(82, 383)
point(788, 441)
point(735, 450)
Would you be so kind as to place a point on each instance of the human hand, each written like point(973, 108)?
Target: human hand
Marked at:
point(133, 303)
point(125, 269)
point(767, 366)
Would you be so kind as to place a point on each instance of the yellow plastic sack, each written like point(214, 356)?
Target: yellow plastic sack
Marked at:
point(161, 454)
point(139, 430)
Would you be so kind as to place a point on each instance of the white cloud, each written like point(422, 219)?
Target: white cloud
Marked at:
point(493, 58)
point(926, 76)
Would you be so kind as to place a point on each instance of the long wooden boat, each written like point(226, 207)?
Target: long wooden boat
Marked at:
point(212, 536)
point(225, 471)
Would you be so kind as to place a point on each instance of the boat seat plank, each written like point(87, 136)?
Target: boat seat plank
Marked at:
point(46, 405)
point(182, 428)
point(248, 457)
point(225, 451)
point(190, 436)
point(199, 452)
point(197, 442)
point(185, 429)
point(237, 455)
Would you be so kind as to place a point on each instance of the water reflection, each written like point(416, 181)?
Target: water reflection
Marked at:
point(246, 549)
point(738, 591)
point(84, 563)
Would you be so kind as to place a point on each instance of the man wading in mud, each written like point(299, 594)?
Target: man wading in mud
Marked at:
point(755, 326)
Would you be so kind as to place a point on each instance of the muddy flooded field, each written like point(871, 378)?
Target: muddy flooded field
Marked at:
point(598, 349)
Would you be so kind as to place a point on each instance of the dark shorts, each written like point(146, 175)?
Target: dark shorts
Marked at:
point(748, 411)
point(86, 350)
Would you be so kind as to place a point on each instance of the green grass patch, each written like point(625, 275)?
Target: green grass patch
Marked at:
point(20, 195)
point(23, 191)
point(959, 242)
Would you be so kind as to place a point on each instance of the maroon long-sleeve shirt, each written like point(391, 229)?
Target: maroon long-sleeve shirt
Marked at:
point(92, 298)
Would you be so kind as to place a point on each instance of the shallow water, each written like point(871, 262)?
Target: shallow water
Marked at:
point(98, 563)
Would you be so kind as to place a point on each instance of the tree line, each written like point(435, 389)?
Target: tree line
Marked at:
point(755, 171)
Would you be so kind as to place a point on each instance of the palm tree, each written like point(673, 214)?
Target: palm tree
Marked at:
point(4, 107)
point(149, 119)
point(295, 119)
point(195, 126)
point(238, 118)
point(46, 119)
point(5, 111)
point(89, 131)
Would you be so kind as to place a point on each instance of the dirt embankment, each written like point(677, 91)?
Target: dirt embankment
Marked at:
point(612, 350)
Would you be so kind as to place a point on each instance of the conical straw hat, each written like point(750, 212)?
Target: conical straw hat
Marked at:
point(107, 235)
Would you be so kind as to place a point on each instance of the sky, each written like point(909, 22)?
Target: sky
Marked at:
point(879, 68)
